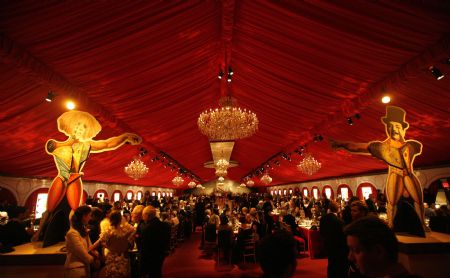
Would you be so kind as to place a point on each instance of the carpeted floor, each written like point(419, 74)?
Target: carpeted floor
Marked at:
point(189, 260)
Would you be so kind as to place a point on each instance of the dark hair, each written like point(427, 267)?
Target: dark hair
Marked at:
point(223, 220)
point(276, 253)
point(77, 219)
point(115, 218)
point(372, 231)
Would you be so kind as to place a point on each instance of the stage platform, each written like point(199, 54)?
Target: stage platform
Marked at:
point(428, 257)
point(31, 260)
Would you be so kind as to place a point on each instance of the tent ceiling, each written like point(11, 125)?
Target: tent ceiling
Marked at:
point(151, 68)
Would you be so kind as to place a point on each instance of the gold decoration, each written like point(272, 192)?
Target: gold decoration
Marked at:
point(227, 122)
point(136, 169)
point(309, 165)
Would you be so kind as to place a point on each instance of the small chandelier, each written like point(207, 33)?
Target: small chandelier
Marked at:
point(309, 165)
point(222, 163)
point(221, 172)
point(192, 184)
point(250, 183)
point(243, 185)
point(136, 169)
point(227, 122)
point(266, 179)
point(177, 181)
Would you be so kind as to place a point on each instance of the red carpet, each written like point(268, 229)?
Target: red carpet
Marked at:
point(188, 260)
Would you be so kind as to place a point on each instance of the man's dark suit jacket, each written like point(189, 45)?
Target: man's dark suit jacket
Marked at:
point(331, 229)
point(155, 239)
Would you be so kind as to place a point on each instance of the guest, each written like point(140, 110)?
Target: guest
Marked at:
point(373, 248)
point(155, 240)
point(14, 231)
point(118, 239)
point(94, 224)
point(277, 255)
point(346, 212)
point(331, 229)
point(78, 259)
point(358, 210)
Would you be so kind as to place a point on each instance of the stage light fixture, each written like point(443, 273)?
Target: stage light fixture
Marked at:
point(70, 105)
point(436, 72)
point(357, 116)
point(221, 73)
point(230, 71)
point(386, 99)
point(50, 96)
point(229, 78)
point(349, 121)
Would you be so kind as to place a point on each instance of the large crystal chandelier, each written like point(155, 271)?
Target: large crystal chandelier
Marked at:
point(177, 181)
point(227, 122)
point(266, 179)
point(221, 172)
point(309, 165)
point(222, 163)
point(192, 184)
point(136, 169)
point(250, 183)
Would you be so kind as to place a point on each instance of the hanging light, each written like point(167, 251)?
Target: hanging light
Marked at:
point(266, 179)
point(192, 184)
point(136, 169)
point(243, 185)
point(50, 96)
point(177, 181)
point(309, 165)
point(250, 183)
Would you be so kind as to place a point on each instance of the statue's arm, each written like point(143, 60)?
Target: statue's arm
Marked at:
point(359, 148)
point(114, 142)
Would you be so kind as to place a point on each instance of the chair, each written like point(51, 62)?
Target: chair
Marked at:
point(249, 248)
point(224, 243)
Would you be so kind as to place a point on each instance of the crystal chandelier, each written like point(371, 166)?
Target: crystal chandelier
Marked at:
point(177, 181)
point(309, 165)
point(227, 122)
point(243, 185)
point(221, 172)
point(222, 163)
point(136, 169)
point(250, 183)
point(192, 184)
point(266, 179)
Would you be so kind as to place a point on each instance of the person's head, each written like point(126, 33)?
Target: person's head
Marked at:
point(208, 212)
point(358, 209)
point(96, 214)
point(277, 255)
point(244, 210)
point(333, 207)
point(78, 125)
point(223, 220)
point(115, 218)
point(136, 214)
point(216, 211)
point(117, 205)
point(373, 246)
point(106, 208)
point(80, 219)
point(148, 213)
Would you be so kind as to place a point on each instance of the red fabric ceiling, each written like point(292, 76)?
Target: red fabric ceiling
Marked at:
point(151, 68)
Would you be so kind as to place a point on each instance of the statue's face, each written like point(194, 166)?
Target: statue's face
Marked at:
point(79, 131)
point(396, 131)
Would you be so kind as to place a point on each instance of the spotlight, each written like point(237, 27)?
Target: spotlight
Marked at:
point(285, 157)
point(349, 121)
point(229, 78)
point(221, 73)
point(268, 166)
point(277, 162)
point(357, 116)
point(262, 169)
point(436, 72)
point(386, 99)
point(50, 96)
point(230, 71)
point(70, 105)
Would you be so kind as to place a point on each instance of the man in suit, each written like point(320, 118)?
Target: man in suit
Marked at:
point(155, 243)
point(331, 229)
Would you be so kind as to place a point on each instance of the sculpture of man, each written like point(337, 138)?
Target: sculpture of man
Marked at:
point(70, 157)
point(399, 154)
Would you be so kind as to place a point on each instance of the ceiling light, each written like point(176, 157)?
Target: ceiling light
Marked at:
point(177, 181)
point(227, 122)
point(192, 184)
point(436, 72)
point(266, 179)
point(386, 99)
point(221, 73)
point(50, 96)
point(229, 78)
point(243, 185)
point(250, 183)
point(136, 169)
point(309, 165)
point(230, 71)
point(70, 105)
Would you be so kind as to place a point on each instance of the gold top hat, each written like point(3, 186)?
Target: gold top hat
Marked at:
point(395, 114)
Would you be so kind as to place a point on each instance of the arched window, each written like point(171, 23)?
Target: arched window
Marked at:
point(271, 192)
point(139, 195)
point(117, 196)
point(285, 192)
point(305, 192)
point(164, 194)
point(290, 191)
point(159, 194)
point(37, 202)
point(315, 192)
point(365, 189)
point(327, 191)
point(279, 192)
point(101, 194)
point(153, 193)
point(171, 194)
point(345, 192)
point(130, 195)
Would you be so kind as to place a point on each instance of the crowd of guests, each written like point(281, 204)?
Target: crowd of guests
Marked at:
point(132, 238)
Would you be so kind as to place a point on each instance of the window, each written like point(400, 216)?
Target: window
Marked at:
point(139, 195)
point(171, 194)
point(41, 205)
point(316, 193)
point(284, 192)
point(116, 196)
point(344, 193)
point(129, 195)
point(153, 193)
point(159, 195)
point(366, 191)
point(305, 192)
point(101, 196)
point(290, 191)
point(164, 194)
point(328, 192)
point(271, 192)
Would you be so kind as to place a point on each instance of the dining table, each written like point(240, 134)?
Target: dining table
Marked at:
point(314, 242)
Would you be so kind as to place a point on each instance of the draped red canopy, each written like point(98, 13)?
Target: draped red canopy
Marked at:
point(151, 68)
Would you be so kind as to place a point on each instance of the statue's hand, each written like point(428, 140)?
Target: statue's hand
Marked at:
point(133, 139)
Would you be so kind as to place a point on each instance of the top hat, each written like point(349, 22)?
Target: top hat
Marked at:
point(395, 114)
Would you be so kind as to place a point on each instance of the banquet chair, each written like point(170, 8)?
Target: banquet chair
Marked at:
point(249, 248)
point(224, 244)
